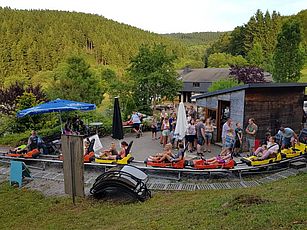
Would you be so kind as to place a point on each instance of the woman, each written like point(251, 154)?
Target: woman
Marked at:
point(173, 158)
point(208, 135)
point(68, 128)
point(122, 153)
point(154, 128)
point(268, 150)
point(191, 134)
point(165, 131)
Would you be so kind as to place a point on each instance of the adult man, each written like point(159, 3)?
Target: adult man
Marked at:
point(192, 112)
point(288, 136)
point(32, 141)
point(228, 134)
point(251, 131)
point(200, 133)
point(35, 142)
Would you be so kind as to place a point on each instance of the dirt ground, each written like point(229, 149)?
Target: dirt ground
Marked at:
point(145, 146)
point(142, 148)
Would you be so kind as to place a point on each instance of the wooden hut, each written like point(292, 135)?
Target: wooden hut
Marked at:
point(270, 104)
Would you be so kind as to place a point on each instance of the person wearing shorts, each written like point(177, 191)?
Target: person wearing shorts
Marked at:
point(228, 134)
point(154, 128)
point(165, 131)
point(191, 133)
point(208, 135)
point(288, 137)
point(136, 123)
point(251, 131)
point(200, 133)
point(238, 139)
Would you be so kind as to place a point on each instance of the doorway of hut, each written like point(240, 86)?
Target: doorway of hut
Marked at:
point(223, 112)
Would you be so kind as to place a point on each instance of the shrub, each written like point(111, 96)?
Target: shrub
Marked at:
point(223, 84)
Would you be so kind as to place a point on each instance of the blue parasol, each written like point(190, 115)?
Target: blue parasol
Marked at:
point(57, 105)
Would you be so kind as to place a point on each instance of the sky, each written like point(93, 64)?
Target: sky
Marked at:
point(169, 16)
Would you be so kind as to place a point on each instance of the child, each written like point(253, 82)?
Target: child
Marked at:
point(154, 129)
point(158, 156)
point(222, 158)
point(238, 140)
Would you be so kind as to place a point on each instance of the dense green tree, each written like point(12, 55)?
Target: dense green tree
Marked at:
point(224, 60)
point(75, 81)
point(122, 87)
point(288, 56)
point(220, 46)
point(153, 71)
point(302, 18)
point(255, 56)
point(236, 44)
point(223, 84)
point(218, 60)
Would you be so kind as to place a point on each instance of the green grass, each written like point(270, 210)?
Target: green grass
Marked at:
point(279, 205)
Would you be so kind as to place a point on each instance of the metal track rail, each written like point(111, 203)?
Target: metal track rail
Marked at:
point(239, 169)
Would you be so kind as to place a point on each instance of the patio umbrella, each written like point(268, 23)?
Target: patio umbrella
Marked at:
point(57, 105)
point(117, 125)
point(181, 124)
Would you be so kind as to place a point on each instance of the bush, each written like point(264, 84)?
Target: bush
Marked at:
point(16, 139)
point(223, 84)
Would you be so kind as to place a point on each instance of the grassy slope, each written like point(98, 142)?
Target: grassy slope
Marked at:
point(304, 74)
point(283, 207)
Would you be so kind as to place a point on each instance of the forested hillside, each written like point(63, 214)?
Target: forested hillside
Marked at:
point(38, 40)
point(256, 40)
point(197, 38)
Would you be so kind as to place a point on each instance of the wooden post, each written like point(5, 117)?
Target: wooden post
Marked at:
point(72, 148)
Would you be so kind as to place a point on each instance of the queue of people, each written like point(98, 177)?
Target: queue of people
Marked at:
point(233, 138)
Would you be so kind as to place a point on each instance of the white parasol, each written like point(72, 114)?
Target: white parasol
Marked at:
point(181, 124)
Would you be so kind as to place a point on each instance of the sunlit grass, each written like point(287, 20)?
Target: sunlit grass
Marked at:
point(279, 205)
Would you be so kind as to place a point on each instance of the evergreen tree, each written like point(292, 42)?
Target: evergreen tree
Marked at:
point(288, 56)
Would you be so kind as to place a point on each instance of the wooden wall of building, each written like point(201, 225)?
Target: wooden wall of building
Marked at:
point(272, 107)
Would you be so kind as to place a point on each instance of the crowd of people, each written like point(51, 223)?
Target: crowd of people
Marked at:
point(198, 137)
point(200, 131)
point(233, 138)
point(75, 126)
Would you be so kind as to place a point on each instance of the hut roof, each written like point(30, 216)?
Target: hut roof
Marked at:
point(250, 86)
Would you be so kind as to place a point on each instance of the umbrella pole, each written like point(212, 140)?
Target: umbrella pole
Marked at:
point(61, 123)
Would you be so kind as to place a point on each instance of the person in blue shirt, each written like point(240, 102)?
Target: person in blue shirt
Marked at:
point(135, 118)
point(288, 137)
point(35, 142)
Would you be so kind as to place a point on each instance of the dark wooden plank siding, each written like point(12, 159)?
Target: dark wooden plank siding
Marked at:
point(272, 107)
